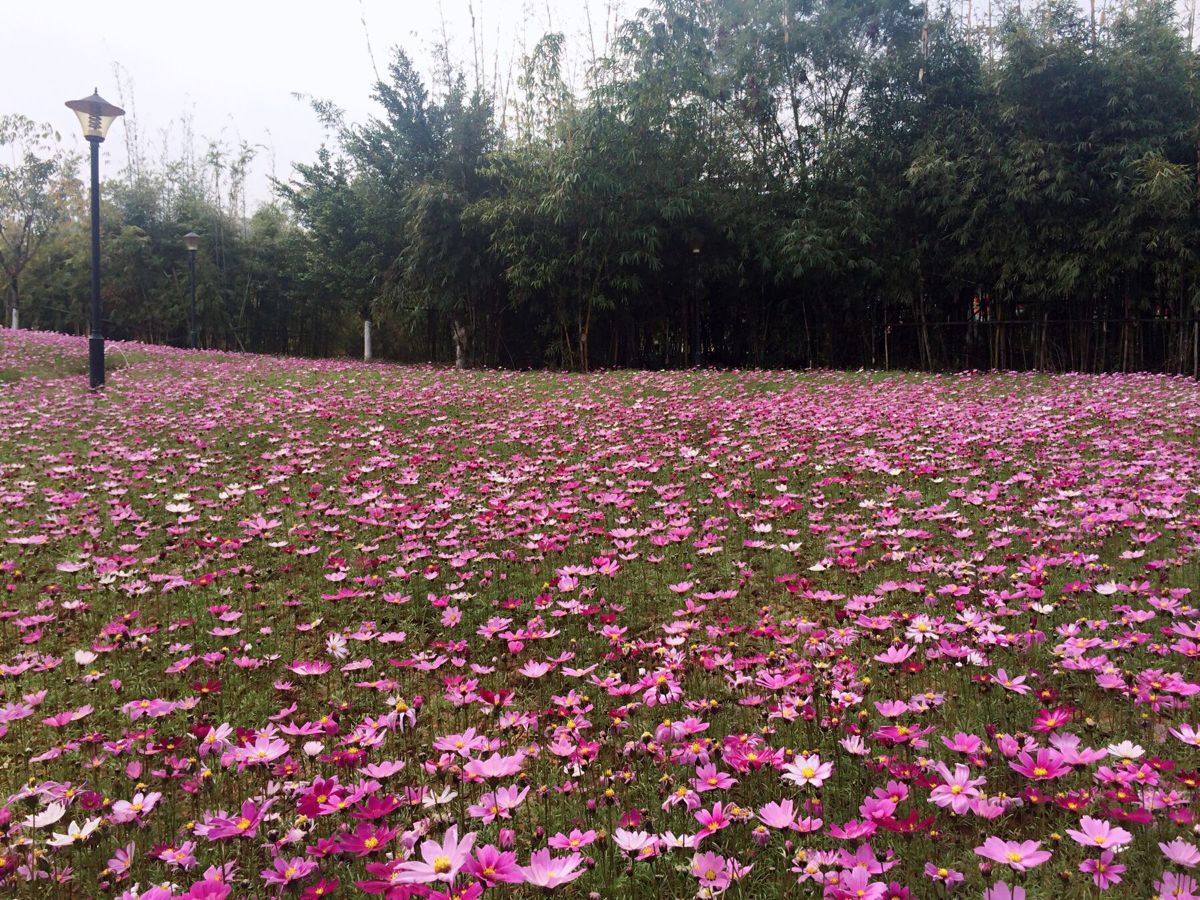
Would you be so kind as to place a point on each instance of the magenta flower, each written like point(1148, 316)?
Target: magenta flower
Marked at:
point(1018, 855)
point(221, 826)
point(711, 821)
point(285, 871)
point(439, 862)
point(1105, 873)
point(367, 839)
point(1047, 764)
point(493, 866)
point(1099, 833)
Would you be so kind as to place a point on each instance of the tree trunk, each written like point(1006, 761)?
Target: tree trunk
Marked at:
point(16, 303)
point(462, 340)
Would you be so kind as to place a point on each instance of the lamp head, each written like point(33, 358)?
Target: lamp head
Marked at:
point(95, 114)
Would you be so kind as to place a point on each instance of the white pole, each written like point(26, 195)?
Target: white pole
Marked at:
point(366, 340)
point(16, 319)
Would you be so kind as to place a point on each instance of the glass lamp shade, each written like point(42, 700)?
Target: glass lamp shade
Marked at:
point(95, 115)
point(191, 240)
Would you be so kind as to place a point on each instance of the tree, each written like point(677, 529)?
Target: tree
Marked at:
point(36, 190)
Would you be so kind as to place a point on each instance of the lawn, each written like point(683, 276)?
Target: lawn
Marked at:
point(283, 627)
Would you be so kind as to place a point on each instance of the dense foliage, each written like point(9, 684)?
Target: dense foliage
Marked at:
point(746, 182)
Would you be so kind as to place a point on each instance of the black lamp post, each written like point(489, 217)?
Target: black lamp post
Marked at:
point(95, 115)
point(191, 240)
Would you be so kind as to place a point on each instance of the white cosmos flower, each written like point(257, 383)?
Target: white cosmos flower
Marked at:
point(47, 816)
point(74, 834)
point(1125, 750)
point(84, 657)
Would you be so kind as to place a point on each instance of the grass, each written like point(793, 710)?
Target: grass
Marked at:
point(213, 518)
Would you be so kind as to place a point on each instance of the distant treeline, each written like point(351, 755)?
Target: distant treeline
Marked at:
point(738, 182)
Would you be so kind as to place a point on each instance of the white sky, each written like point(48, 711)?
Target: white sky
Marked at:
point(232, 67)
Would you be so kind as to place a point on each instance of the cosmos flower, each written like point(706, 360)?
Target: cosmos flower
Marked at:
point(548, 871)
point(439, 861)
point(808, 770)
point(1105, 873)
point(1099, 833)
point(1017, 855)
point(1181, 853)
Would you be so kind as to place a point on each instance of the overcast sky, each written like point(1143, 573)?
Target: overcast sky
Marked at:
point(233, 66)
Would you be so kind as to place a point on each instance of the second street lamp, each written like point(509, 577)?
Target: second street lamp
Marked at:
point(192, 241)
point(96, 115)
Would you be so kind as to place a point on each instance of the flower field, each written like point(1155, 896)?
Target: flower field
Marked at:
point(308, 629)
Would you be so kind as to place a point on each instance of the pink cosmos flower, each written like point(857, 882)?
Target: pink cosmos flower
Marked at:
point(500, 803)
point(957, 790)
point(1018, 855)
point(709, 778)
point(264, 750)
point(1017, 685)
point(1181, 853)
point(221, 826)
point(576, 840)
point(128, 810)
point(711, 821)
point(310, 667)
point(464, 744)
point(1002, 891)
point(963, 743)
point(1049, 719)
point(122, 859)
point(285, 871)
point(1047, 764)
point(1099, 833)
point(639, 843)
point(1176, 886)
point(856, 884)
point(778, 815)
point(439, 862)
point(1105, 873)
point(367, 839)
point(549, 871)
point(493, 866)
point(495, 766)
point(712, 870)
point(944, 875)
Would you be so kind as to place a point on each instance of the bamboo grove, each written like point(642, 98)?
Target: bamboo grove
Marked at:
point(736, 182)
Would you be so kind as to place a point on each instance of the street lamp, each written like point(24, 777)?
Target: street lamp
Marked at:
point(191, 240)
point(95, 115)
